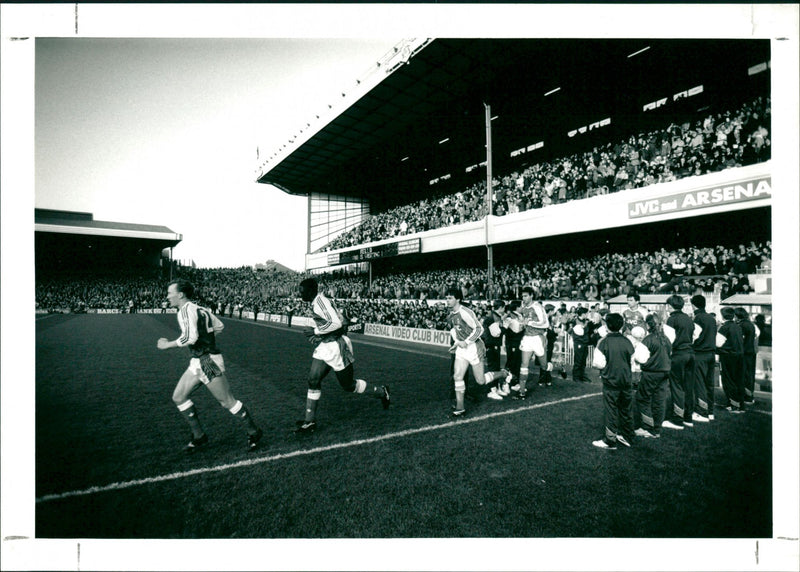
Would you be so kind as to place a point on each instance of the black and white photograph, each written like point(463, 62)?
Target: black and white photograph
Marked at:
point(400, 287)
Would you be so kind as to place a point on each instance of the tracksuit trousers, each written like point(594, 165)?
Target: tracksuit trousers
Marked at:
point(651, 397)
point(618, 411)
point(732, 379)
point(681, 387)
point(704, 382)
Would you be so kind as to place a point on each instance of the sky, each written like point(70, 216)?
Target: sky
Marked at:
point(134, 125)
point(164, 131)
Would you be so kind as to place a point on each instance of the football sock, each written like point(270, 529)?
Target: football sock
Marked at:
point(523, 378)
point(460, 389)
point(361, 387)
point(312, 399)
point(240, 411)
point(189, 412)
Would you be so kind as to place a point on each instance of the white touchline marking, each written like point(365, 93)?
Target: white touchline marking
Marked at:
point(302, 452)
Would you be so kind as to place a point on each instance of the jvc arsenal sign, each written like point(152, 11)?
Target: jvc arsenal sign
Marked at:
point(739, 192)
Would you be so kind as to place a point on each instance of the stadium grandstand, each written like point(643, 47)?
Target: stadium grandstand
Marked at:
point(562, 120)
point(581, 149)
point(657, 159)
point(72, 246)
point(73, 242)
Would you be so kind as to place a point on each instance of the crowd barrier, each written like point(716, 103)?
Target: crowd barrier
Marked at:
point(419, 335)
point(40, 311)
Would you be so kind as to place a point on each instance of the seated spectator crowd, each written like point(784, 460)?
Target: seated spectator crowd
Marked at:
point(708, 144)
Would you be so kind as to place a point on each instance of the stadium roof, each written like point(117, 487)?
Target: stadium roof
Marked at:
point(748, 300)
point(73, 223)
point(426, 119)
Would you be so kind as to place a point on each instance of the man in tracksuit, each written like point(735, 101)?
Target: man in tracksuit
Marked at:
point(729, 348)
point(681, 376)
point(513, 331)
point(545, 377)
point(580, 344)
point(493, 340)
point(704, 359)
point(652, 391)
point(612, 357)
point(749, 347)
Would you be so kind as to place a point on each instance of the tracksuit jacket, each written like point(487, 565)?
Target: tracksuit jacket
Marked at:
point(707, 341)
point(660, 351)
point(733, 339)
point(618, 351)
point(684, 328)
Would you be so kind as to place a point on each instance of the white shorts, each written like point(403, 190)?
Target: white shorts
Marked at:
point(197, 371)
point(473, 353)
point(331, 354)
point(533, 344)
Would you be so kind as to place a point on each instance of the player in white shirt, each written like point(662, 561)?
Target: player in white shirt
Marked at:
point(333, 350)
point(199, 327)
point(466, 331)
point(534, 342)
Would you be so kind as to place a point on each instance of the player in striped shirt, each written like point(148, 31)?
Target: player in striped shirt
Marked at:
point(466, 331)
point(333, 350)
point(199, 327)
point(534, 342)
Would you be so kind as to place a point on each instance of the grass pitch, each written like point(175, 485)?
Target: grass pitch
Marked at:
point(110, 464)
